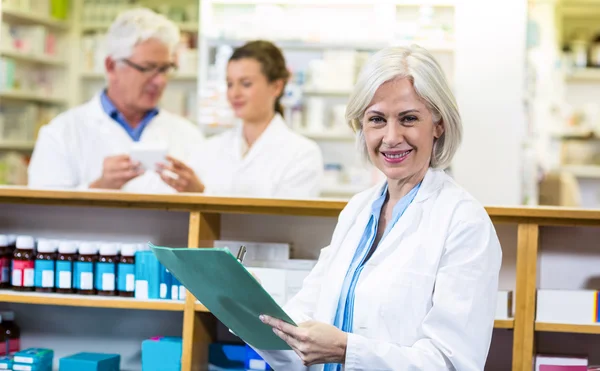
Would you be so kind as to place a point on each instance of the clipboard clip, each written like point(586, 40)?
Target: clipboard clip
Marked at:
point(241, 254)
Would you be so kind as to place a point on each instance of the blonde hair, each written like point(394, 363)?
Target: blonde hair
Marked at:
point(429, 82)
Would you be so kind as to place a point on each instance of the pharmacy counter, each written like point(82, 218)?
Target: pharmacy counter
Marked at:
point(197, 221)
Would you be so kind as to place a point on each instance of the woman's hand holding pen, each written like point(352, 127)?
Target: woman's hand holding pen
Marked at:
point(314, 342)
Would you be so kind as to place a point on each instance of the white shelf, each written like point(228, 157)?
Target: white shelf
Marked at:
point(100, 76)
point(342, 190)
point(326, 136)
point(317, 46)
point(31, 97)
point(584, 75)
point(103, 27)
point(22, 17)
point(328, 93)
point(31, 58)
point(583, 171)
point(13, 145)
point(333, 2)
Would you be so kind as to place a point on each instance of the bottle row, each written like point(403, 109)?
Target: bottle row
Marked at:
point(84, 267)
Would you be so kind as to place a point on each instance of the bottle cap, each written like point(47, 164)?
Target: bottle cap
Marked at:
point(67, 247)
point(25, 242)
point(109, 249)
point(88, 248)
point(3, 240)
point(47, 246)
point(128, 249)
point(8, 316)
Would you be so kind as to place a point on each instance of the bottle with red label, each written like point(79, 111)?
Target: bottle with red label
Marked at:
point(23, 264)
point(11, 332)
point(5, 262)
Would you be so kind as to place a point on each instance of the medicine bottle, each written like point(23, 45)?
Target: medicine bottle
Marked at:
point(5, 262)
point(44, 266)
point(12, 332)
point(23, 264)
point(126, 270)
point(106, 269)
point(12, 242)
point(67, 254)
point(84, 266)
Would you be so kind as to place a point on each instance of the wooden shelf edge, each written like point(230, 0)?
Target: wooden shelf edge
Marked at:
point(565, 327)
point(200, 308)
point(90, 301)
point(504, 323)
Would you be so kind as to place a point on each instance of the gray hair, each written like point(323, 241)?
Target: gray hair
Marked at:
point(427, 77)
point(138, 25)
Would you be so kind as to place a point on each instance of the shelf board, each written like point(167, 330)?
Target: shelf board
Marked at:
point(100, 75)
point(319, 46)
point(31, 97)
point(200, 308)
point(12, 145)
point(584, 75)
point(103, 27)
point(572, 328)
point(342, 190)
point(36, 59)
point(329, 93)
point(583, 171)
point(504, 323)
point(435, 3)
point(23, 17)
point(72, 300)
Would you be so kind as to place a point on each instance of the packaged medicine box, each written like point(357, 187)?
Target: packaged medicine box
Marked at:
point(567, 306)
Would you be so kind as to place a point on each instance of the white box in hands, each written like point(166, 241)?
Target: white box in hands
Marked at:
point(148, 154)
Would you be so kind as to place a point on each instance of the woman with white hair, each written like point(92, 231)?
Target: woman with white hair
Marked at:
point(410, 278)
point(89, 146)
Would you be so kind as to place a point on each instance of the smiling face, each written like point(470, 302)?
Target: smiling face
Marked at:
point(399, 131)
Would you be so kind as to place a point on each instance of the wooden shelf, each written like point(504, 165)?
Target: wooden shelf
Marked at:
point(31, 97)
point(327, 136)
point(572, 328)
point(327, 93)
point(583, 171)
point(36, 59)
point(585, 75)
point(200, 308)
point(177, 77)
point(9, 296)
point(13, 145)
point(23, 17)
point(504, 323)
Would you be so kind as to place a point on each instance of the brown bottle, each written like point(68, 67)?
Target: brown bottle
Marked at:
point(12, 332)
point(84, 269)
point(126, 271)
point(5, 262)
point(45, 266)
point(23, 264)
point(106, 270)
point(67, 254)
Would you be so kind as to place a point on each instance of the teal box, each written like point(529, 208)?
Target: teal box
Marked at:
point(162, 354)
point(6, 363)
point(33, 356)
point(90, 362)
point(44, 366)
point(147, 275)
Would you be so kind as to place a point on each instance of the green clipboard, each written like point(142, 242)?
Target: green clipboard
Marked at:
point(224, 286)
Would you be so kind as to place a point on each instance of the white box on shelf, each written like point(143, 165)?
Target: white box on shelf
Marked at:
point(258, 251)
point(273, 281)
point(504, 305)
point(567, 306)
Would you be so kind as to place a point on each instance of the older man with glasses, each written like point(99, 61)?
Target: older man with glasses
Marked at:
point(90, 146)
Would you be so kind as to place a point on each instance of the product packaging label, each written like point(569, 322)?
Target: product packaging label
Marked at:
point(105, 276)
point(126, 277)
point(64, 274)
point(83, 276)
point(44, 273)
point(22, 273)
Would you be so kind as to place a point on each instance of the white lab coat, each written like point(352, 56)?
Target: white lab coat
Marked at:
point(70, 150)
point(280, 164)
point(426, 298)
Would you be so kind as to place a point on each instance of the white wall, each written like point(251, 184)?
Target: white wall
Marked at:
point(490, 60)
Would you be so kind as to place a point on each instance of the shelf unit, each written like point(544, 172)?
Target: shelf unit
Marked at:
point(31, 97)
point(176, 77)
point(208, 218)
point(102, 27)
point(27, 18)
point(25, 146)
point(31, 58)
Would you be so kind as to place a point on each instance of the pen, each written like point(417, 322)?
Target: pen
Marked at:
point(241, 253)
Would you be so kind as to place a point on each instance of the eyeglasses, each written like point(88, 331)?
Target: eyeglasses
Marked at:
point(152, 71)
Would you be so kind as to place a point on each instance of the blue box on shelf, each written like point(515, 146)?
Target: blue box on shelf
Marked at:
point(90, 362)
point(162, 353)
point(254, 361)
point(32, 356)
point(227, 356)
point(6, 363)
